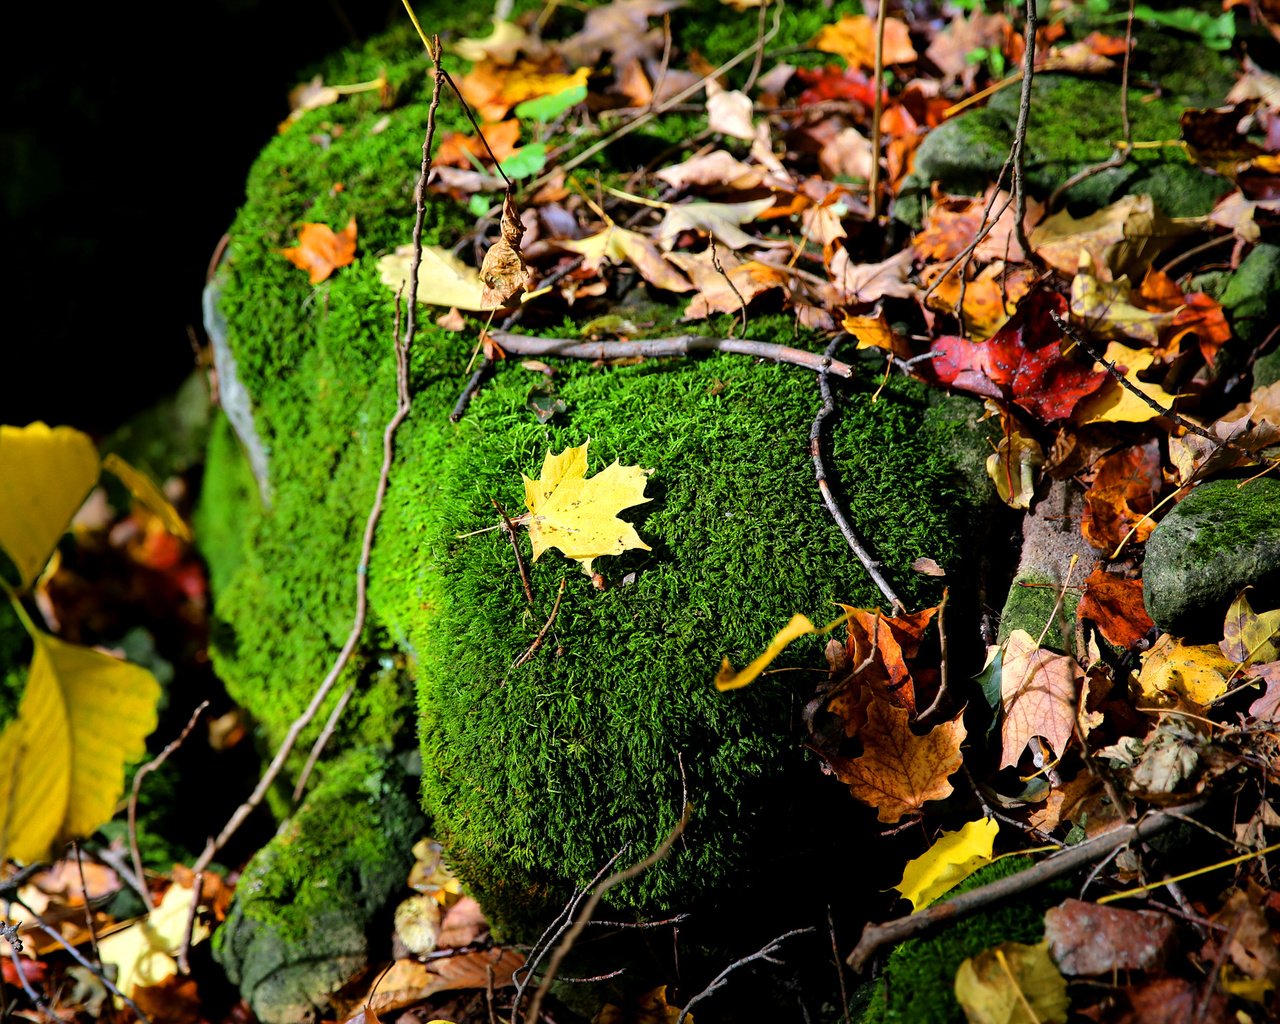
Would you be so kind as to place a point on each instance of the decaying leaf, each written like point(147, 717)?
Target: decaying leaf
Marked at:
point(503, 271)
point(408, 981)
point(82, 716)
point(620, 245)
point(320, 251)
point(443, 279)
point(721, 220)
point(948, 862)
point(1014, 467)
point(579, 515)
point(1038, 690)
point(1088, 939)
point(716, 294)
point(1105, 307)
point(1249, 637)
point(1013, 984)
point(45, 475)
point(1197, 672)
point(719, 167)
point(898, 771)
point(729, 112)
point(1123, 238)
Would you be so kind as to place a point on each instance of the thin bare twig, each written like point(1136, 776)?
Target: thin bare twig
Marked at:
point(875, 936)
point(509, 529)
point(877, 111)
point(88, 909)
point(403, 404)
point(184, 950)
point(715, 262)
point(658, 348)
point(924, 716)
point(870, 563)
point(617, 878)
point(79, 958)
point(541, 638)
point(839, 962)
point(765, 952)
point(138, 776)
point(1020, 132)
point(757, 63)
point(322, 741)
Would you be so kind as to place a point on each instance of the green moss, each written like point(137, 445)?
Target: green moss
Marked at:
point(297, 929)
point(227, 484)
point(1030, 606)
point(1266, 371)
point(917, 986)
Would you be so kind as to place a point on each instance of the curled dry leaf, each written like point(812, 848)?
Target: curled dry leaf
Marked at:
point(729, 112)
point(503, 271)
point(1014, 467)
point(719, 168)
point(1123, 238)
point(722, 220)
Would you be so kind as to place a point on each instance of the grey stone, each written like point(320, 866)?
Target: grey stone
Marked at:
point(1216, 541)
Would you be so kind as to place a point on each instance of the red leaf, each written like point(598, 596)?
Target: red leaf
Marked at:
point(1022, 361)
point(832, 83)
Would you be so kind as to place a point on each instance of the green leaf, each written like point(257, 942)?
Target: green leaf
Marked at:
point(548, 108)
point(478, 205)
point(526, 161)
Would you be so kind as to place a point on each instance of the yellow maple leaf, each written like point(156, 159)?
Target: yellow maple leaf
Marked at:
point(948, 862)
point(580, 516)
point(1197, 672)
point(1249, 637)
point(1114, 403)
point(83, 714)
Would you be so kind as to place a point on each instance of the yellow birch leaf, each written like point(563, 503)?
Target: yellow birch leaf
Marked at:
point(580, 516)
point(143, 953)
point(1249, 637)
point(147, 494)
point(1198, 673)
point(45, 475)
point(443, 279)
point(83, 714)
point(1012, 984)
point(948, 862)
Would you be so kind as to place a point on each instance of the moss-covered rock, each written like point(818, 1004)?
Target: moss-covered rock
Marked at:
point(1219, 539)
point(303, 917)
point(967, 153)
point(917, 985)
point(536, 776)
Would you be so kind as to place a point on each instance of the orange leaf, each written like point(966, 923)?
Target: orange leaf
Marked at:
point(1115, 606)
point(320, 252)
point(457, 148)
point(899, 772)
point(1122, 493)
point(854, 39)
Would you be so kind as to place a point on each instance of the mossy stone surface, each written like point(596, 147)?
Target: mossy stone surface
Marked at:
point(1073, 124)
point(306, 903)
point(1216, 541)
point(537, 776)
point(917, 985)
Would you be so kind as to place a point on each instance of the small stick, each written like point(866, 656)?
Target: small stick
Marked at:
point(88, 910)
point(185, 949)
point(641, 924)
point(765, 952)
point(403, 403)
point(877, 110)
point(820, 472)
point(715, 262)
point(510, 531)
point(542, 633)
point(874, 936)
point(322, 741)
point(617, 878)
point(1020, 132)
point(79, 958)
point(923, 717)
point(138, 776)
point(836, 959)
point(1112, 369)
point(657, 348)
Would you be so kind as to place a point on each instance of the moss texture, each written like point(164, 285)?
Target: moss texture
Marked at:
point(305, 902)
point(15, 655)
point(537, 776)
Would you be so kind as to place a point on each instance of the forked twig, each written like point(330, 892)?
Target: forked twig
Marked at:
point(765, 952)
point(541, 638)
point(617, 878)
point(871, 564)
